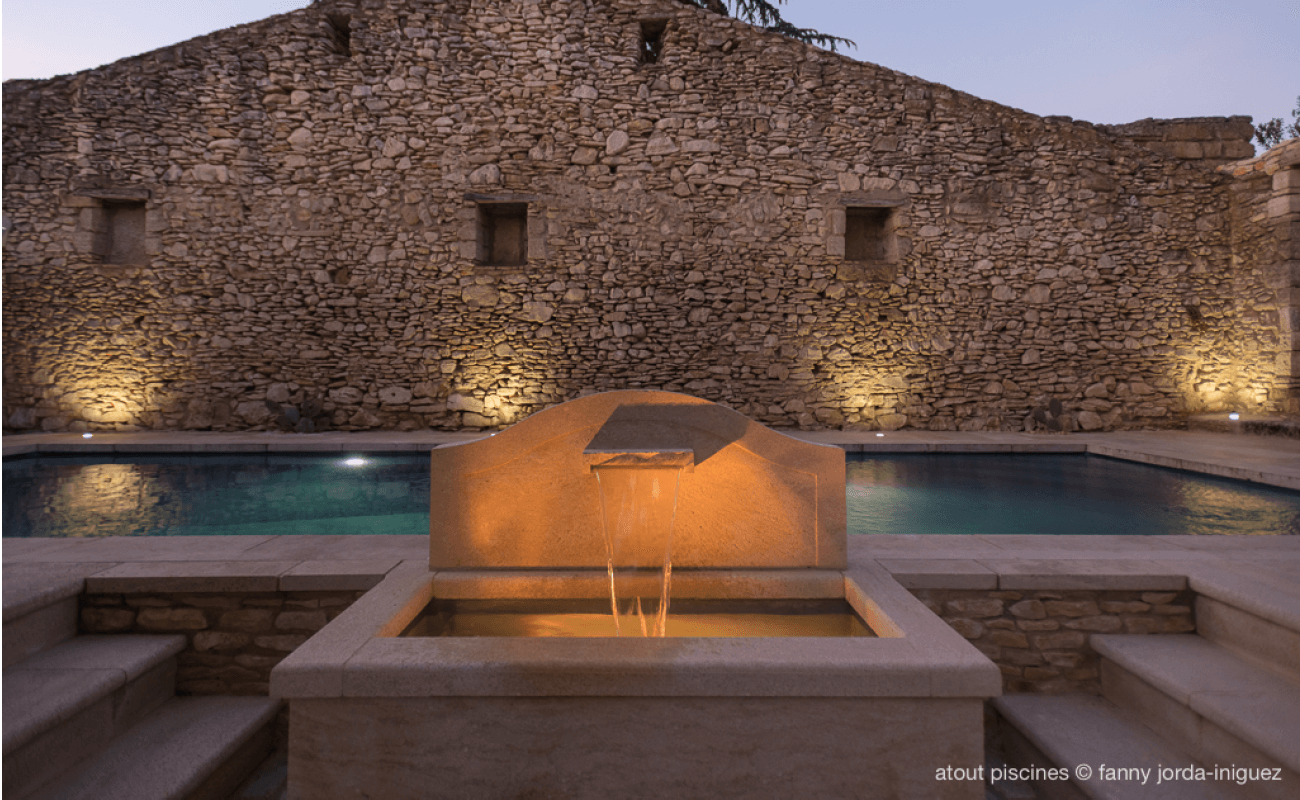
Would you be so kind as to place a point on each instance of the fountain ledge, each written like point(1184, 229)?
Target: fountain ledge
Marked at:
point(360, 655)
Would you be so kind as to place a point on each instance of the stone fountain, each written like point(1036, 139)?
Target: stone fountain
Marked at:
point(770, 666)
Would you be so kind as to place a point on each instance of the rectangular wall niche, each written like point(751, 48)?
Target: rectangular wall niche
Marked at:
point(503, 234)
point(869, 234)
point(339, 28)
point(124, 223)
point(652, 39)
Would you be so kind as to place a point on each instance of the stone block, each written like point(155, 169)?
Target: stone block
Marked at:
point(247, 619)
point(285, 643)
point(968, 628)
point(1022, 658)
point(1142, 625)
point(1028, 609)
point(1097, 624)
point(1124, 607)
point(1038, 625)
point(219, 641)
point(1286, 181)
point(1065, 640)
point(300, 620)
point(975, 607)
point(1071, 608)
point(1158, 598)
point(171, 619)
point(1009, 639)
point(1040, 673)
point(107, 620)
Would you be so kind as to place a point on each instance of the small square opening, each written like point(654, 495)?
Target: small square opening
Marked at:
point(867, 233)
point(652, 39)
point(125, 229)
point(503, 234)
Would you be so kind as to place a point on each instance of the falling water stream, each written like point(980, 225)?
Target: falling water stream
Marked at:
point(638, 510)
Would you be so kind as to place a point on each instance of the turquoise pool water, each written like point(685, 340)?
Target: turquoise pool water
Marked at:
point(210, 495)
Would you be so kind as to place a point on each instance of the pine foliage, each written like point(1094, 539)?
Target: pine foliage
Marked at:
point(1273, 132)
point(767, 16)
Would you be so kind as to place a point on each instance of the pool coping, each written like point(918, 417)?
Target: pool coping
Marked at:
point(1273, 461)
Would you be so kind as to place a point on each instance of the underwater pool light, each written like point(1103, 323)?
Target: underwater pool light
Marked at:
point(355, 462)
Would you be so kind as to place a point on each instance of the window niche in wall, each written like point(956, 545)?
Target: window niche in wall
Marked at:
point(113, 225)
point(867, 233)
point(503, 234)
point(124, 223)
point(339, 29)
point(866, 237)
point(652, 40)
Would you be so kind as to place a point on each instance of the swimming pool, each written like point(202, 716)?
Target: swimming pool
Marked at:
point(388, 493)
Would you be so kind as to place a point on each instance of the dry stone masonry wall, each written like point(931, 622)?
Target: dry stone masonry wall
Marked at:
point(1266, 233)
point(234, 639)
point(455, 214)
point(1039, 639)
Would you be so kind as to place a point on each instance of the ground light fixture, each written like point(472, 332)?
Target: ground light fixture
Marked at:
point(1234, 416)
point(87, 435)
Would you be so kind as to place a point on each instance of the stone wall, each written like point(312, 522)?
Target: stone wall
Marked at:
point(295, 209)
point(1039, 639)
point(1209, 140)
point(234, 639)
point(1266, 232)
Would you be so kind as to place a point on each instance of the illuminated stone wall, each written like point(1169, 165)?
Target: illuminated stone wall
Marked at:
point(296, 208)
point(1265, 226)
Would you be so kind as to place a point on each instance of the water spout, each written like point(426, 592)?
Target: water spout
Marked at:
point(638, 497)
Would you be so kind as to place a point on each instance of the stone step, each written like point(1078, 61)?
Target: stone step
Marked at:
point(1273, 646)
point(39, 613)
point(63, 705)
point(1070, 731)
point(1217, 706)
point(192, 748)
point(1253, 610)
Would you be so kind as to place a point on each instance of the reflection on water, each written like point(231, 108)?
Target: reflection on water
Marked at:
point(216, 495)
point(1055, 494)
point(320, 494)
point(585, 618)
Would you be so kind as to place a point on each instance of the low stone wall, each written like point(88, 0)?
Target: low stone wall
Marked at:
point(235, 639)
point(1040, 639)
